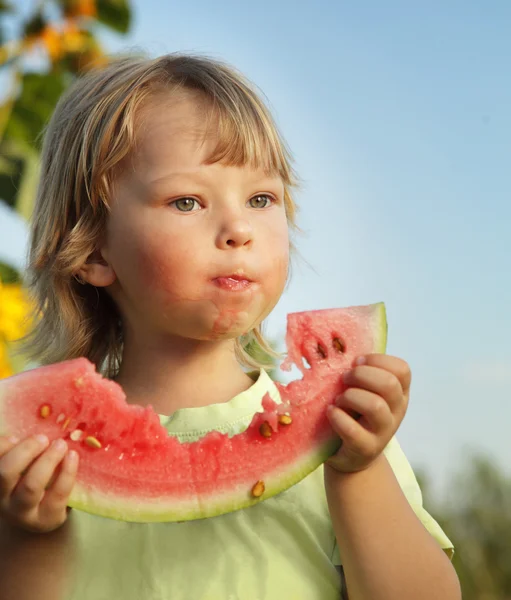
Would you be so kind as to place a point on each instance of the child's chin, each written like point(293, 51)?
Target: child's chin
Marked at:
point(229, 325)
point(228, 334)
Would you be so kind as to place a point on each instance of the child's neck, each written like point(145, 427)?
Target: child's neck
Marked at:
point(181, 374)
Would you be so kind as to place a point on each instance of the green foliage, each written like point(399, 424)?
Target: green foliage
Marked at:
point(34, 25)
point(115, 13)
point(8, 274)
point(11, 171)
point(27, 109)
point(6, 6)
point(19, 148)
point(480, 520)
point(34, 105)
point(19, 170)
point(476, 516)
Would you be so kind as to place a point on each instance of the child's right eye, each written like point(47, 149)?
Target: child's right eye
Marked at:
point(185, 204)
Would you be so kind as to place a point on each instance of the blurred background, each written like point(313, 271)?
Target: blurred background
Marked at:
point(398, 116)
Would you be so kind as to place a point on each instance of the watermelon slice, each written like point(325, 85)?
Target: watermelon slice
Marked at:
point(131, 469)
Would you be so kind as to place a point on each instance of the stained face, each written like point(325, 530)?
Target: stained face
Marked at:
point(199, 251)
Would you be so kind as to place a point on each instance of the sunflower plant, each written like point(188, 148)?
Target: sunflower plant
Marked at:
point(15, 308)
point(62, 39)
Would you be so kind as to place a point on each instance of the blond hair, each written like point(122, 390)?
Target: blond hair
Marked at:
point(91, 131)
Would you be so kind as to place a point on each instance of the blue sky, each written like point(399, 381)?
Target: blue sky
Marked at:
point(398, 116)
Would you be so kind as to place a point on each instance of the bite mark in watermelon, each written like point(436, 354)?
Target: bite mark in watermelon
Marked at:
point(131, 469)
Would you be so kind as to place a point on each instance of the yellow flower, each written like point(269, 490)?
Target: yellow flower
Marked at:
point(14, 320)
point(14, 311)
point(81, 8)
point(5, 367)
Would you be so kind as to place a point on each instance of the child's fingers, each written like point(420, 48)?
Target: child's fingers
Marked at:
point(356, 439)
point(378, 381)
point(357, 442)
point(392, 364)
point(6, 443)
point(370, 406)
point(30, 489)
point(16, 459)
point(57, 494)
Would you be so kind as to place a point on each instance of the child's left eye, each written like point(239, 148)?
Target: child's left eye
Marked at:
point(185, 204)
point(260, 201)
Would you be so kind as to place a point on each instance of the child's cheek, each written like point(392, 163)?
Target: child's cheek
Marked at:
point(176, 277)
point(168, 271)
point(278, 268)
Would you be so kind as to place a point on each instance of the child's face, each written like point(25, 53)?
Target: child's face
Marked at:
point(172, 260)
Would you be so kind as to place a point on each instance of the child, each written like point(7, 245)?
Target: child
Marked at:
point(159, 238)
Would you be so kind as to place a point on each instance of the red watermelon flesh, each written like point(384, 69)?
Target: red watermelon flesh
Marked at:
point(131, 469)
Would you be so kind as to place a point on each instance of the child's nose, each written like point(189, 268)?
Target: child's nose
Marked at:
point(235, 234)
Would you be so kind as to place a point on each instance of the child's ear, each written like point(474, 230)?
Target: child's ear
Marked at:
point(97, 271)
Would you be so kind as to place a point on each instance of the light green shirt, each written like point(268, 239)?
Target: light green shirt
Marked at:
point(281, 549)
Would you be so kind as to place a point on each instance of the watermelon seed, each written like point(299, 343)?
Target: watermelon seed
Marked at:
point(66, 423)
point(92, 442)
point(285, 420)
point(78, 382)
point(76, 435)
point(61, 417)
point(339, 345)
point(45, 411)
point(265, 430)
point(321, 350)
point(258, 489)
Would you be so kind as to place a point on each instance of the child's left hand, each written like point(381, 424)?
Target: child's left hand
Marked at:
point(369, 411)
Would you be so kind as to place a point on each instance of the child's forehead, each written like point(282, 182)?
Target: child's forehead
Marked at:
point(171, 161)
point(168, 144)
point(164, 122)
point(184, 110)
point(178, 130)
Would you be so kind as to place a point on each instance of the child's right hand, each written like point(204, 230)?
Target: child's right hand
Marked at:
point(33, 489)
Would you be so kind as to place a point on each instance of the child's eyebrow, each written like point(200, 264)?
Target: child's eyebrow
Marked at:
point(176, 175)
point(197, 176)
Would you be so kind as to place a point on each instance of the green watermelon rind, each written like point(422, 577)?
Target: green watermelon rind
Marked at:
point(380, 327)
point(218, 506)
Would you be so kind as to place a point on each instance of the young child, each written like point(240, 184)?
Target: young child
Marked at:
point(160, 237)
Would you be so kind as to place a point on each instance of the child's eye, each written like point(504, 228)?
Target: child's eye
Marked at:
point(185, 204)
point(260, 201)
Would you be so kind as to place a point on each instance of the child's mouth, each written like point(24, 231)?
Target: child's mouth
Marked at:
point(233, 283)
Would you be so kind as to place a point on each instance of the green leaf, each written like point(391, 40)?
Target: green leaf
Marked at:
point(20, 145)
point(11, 171)
point(116, 14)
point(34, 106)
point(27, 190)
point(35, 24)
point(6, 6)
point(19, 173)
point(8, 274)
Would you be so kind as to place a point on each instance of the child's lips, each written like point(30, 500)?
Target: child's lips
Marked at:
point(233, 283)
